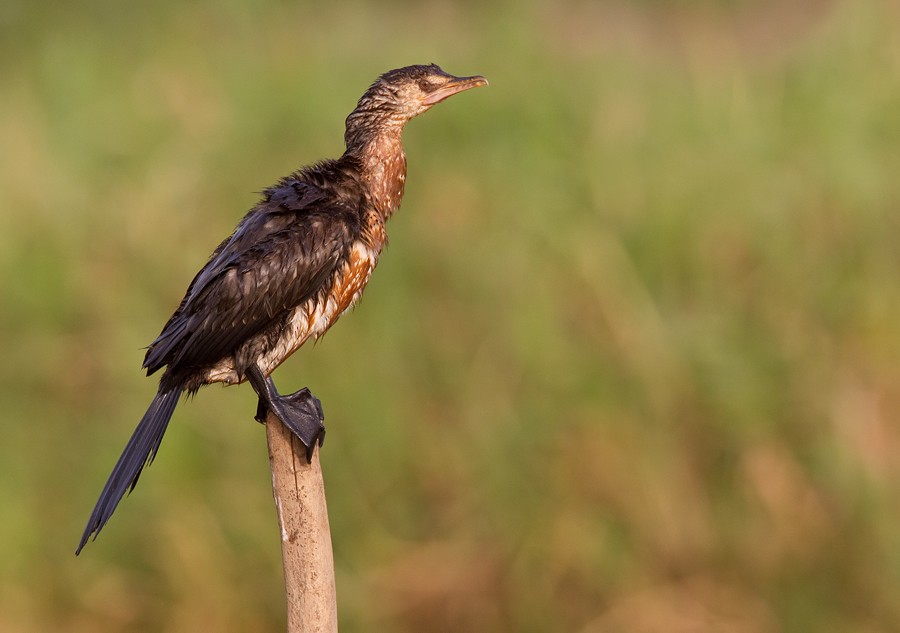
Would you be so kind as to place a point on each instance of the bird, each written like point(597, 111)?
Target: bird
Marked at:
point(294, 264)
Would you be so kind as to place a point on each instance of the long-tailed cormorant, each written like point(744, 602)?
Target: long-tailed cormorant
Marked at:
point(293, 265)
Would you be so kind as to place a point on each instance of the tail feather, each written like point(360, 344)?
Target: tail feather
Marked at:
point(139, 452)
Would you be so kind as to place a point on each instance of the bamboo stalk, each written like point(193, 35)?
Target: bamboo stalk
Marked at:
point(306, 552)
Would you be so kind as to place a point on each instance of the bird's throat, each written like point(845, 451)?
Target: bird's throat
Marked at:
point(383, 166)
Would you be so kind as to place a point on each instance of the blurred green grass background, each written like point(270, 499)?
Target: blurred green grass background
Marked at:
point(630, 363)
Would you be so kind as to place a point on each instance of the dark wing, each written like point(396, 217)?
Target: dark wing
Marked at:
point(280, 255)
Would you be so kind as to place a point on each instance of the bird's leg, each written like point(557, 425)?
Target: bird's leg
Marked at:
point(261, 411)
point(300, 411)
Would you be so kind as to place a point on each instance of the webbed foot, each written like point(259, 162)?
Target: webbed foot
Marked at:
point(300, 411)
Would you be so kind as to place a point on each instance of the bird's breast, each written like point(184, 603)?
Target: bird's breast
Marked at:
point(312, 318)
point(354, 276)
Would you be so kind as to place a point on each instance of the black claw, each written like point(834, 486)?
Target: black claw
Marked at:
point(301, 411)
point(305, 419)
point(261, 411)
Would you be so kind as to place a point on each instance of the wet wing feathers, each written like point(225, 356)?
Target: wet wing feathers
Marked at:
point(278, 257)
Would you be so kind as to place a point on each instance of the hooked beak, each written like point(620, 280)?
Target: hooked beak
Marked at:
point(455, 85)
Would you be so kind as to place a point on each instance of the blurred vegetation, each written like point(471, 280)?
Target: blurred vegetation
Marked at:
point(630, 363)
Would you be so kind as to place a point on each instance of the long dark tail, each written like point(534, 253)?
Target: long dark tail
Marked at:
point(139, 452)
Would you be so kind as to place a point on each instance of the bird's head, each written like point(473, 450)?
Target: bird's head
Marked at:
point(412, 90)
point(401, 94)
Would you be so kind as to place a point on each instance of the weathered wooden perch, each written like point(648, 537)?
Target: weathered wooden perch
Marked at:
point(305, 536)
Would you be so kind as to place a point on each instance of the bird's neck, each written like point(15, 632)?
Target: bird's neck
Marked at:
point(382, 165)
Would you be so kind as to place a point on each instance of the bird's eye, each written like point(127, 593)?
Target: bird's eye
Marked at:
point(424, 85)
